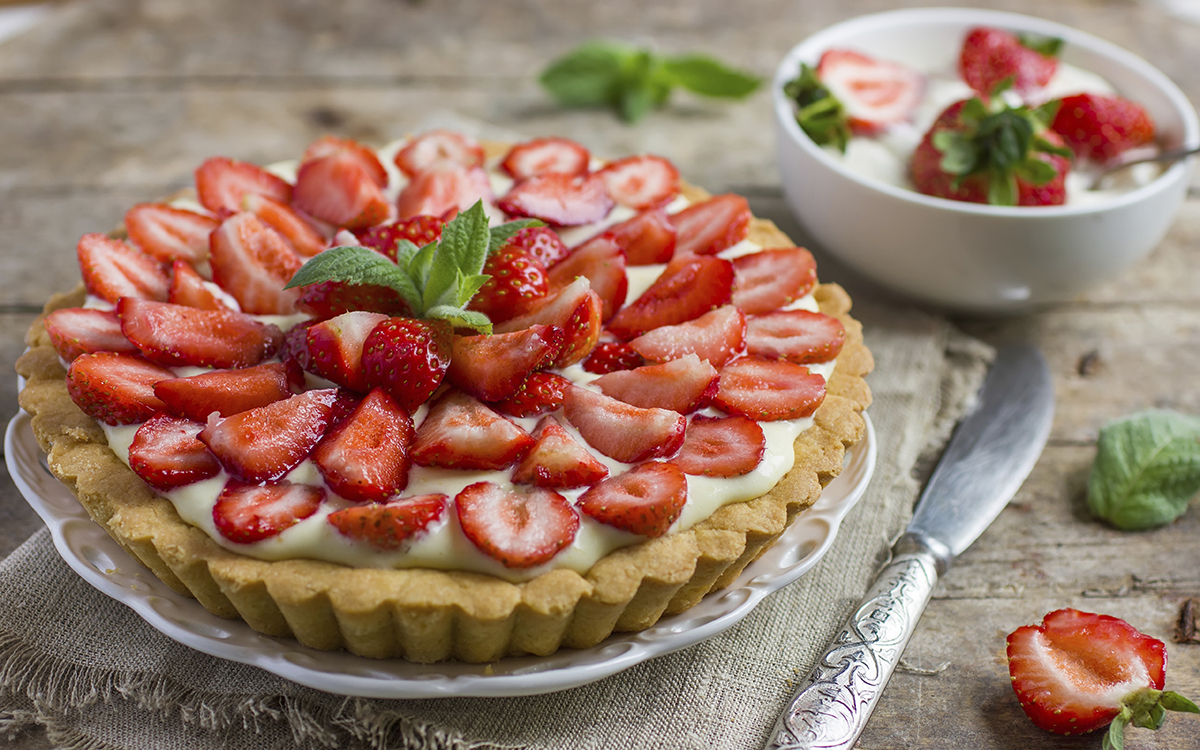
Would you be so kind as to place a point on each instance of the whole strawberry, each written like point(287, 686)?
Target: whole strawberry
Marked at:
point(517, 285)
point(1102, 127)
point(990, 57)
point(992, 153)
point(407, 358)
point(1077, 672)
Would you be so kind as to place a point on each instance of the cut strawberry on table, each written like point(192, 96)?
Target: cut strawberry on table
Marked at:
point(1076, 672)
point(559, 199)
point(166, 453)
point(711, 226)
point(602, 261)
point(721, 446)
point(768, 389)
point(689, 287)
point(443, 190)
point(717, 337)
point(166, 233)
point(434, 148)
point(622, 431)
point(304, 238)
point(247, 513)
point(341, 190)
point(540, 393)
point(770, 279)
point(546, 156)
point(682, 385)
point(493, 368)
point(266, 443)
point(175, 335)
point(112, 269)
point(365, 458)
point(991, 56)
point(542, 243)
point(335, 348)
point(407, 358)
point(520, 529)
point(222, 185)
point(228, 392)
point(647, 239)
point(641, 182)
point(576, 309)
point(115, 388)
point(645, 500)
point(188, 289)
point(460, 432)
point(875, 94)
point(1102, 127)
point(518, 284)
point(798, 336)
point(387, 526)
point(557, 460)
point(385, 238)
point(79, 330)
point(253, 262)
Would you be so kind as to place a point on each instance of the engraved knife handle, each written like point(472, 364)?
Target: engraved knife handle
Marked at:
point(832, 706)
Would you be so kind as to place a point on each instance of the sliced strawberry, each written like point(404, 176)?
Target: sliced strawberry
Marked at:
point(266, 443)
point(768, 389)
point(542, 243)
point(519, 284)
point(78, 330)
point(335, 348)
point(717, 337)
point(647, 239)
point(560, 199)
point(689, 287)
point(462, 433)
point(328, 145)
point(340, 190)
point(328, 299)
point(387, 526)
point(540, 393)
point(545, 156)
point(493, 368)
point(874, 93)
point(611, 356)
point(519, 529)
point(365, 458)
point(443, 191)
point(711, 226)
point(622, 431)
point(602, 261)
point(1102, 127)
point(991, 56)
point(302, 235)
point(798, 336)
point(437, 147)
point(113, 269)
point(253, 262)
point(179, 335)
point(247, 513)
point(557, 460)
point(222, 184)
point(683, 385)
point(385, 238)
point(166, 233)
point(115, 388)
point(645, 500)
point(576, 309)
point(769, 279)
point(188, 289)
point(407, 358)
point(227, 392)
point(721, 446)
point(641, 182)
point(166, 454)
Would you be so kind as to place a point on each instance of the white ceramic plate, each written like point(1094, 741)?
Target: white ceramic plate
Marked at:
point(101, 562)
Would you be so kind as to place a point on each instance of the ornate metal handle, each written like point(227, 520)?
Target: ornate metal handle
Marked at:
point(833, 706)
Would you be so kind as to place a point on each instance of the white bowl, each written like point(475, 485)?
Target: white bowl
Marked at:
point(965, 256)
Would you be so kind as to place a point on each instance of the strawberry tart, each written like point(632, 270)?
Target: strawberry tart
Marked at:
point(445, 399)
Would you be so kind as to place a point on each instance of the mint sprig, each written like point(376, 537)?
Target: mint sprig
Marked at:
point(819, 113)
point(436, 281)
point(633, 80)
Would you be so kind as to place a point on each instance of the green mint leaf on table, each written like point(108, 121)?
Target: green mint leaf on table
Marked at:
point(818, 112)
point(1147, 469)
point(710, 77)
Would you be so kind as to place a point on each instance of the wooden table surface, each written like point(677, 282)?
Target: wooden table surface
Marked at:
point(110, 102)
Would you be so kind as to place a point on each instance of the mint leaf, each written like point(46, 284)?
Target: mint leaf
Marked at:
point(1147, 469)
point(589, 76)
point(497, 236)
point(348, 264)
point(460, 318)
point(710, 77)
point(462, 249)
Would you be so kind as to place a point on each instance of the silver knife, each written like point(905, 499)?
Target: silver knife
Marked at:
point(991, 453)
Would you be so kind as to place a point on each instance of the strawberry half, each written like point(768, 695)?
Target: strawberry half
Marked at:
point(721, 447)
point(645, 500)
point(611, 356)
point(540, 393)
point(253, 262)
point(300, 234)
point(335, 348)
point(990, 56)
point(79, 330)
point(520, 529)
point(576, 309)
point(557, 460)
point(545, 156)
point(641, 182)
point(460, 432)
point(493, 368)
point(443, 190)
point(874, 93)
point(711, 226)
point(166, 233)
point(647, 239)
point(222, 184)
point(387, 526)
point(266, 443)
point(560, 199)
point(340, 189)
point(1077, 671)
point(112, 269)
point(622, 431)
point(179, 335)
point(407, 358)
point(115, 388)
point(798, 336)
point(682, 385)
point(542, 243)
point(166, 454)
point(689, 287)
point(227, 392)
point(767, 390)
point(602, 261)
point(437, 147)
point(518, 284)
point(717, 337)
point(188, 289)
point(365, 457)
point(385, 238)
point(770, 279)
point(247, 513)
point(1102, 127)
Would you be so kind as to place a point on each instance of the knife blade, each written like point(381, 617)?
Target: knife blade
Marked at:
point(992, 451)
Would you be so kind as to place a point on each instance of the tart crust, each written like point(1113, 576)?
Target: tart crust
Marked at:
point(429, 615)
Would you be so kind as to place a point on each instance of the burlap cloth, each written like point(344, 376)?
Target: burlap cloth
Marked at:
point(94, 675)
